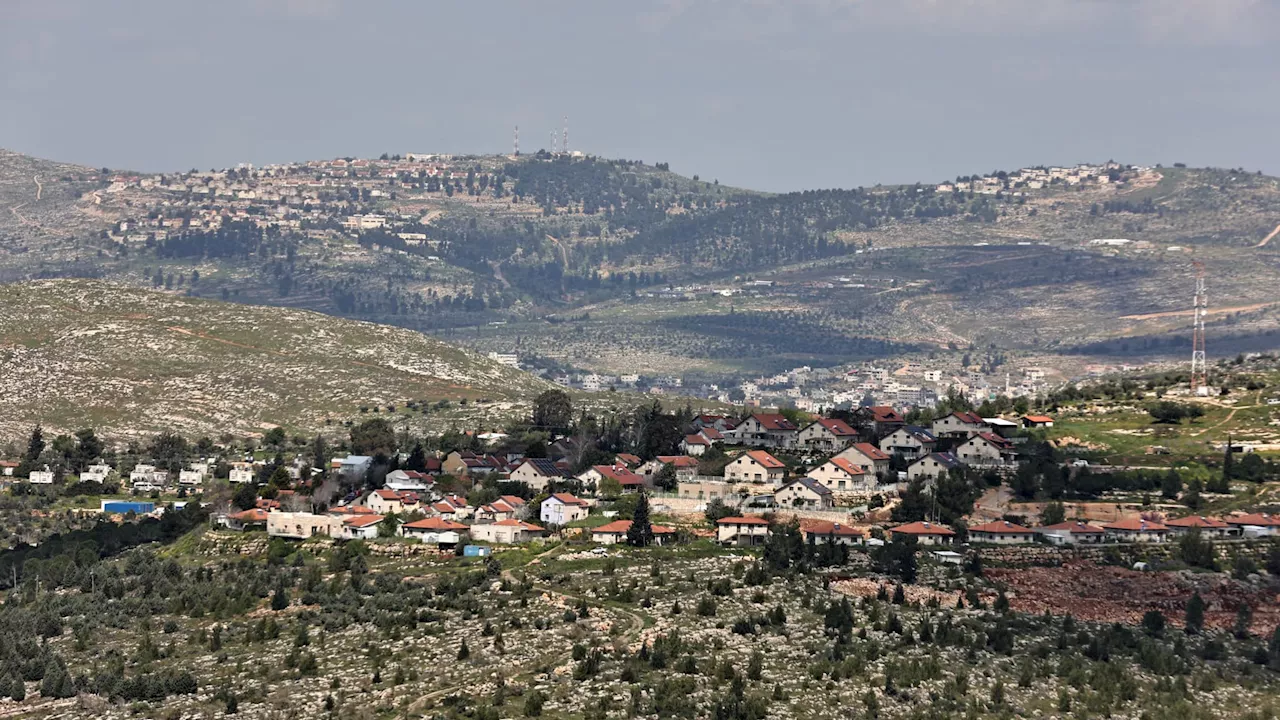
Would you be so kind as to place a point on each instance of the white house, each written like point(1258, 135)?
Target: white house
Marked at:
point(361, 527)
point(742, 531)
point(843, 476)
point(932, 466)
point(537, 473)
point(301, 525)
point(434, 530)
point(871, 459)
point(766, 429)
point(96, 473)
point(1001, 532)
point(1136, 530)
point(986, 448)
point(41, 477)
point(925, 533)
point(386, 501)
point(242, 473)
point(190, 477)
point(1208, 527)
point(755, 466)
point(563, 508)
point(616, 532)
point(506, 532)
point(1073, 533)
point(828, 435)
point(821, 532)
point(909, 441)
point(805, 493)
point(354, 466)
point(959, 424)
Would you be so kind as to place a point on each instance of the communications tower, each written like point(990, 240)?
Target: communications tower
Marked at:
point(1199, 369)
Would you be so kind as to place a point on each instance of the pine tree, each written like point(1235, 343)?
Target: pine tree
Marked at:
point(463, 651)
point(640, 534)
point(1195, 615)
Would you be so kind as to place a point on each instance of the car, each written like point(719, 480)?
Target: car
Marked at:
point(599, 551)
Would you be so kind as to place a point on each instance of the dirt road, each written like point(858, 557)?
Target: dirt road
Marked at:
point(1267, 239)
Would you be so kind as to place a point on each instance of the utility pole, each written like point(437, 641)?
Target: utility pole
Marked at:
point(1199, 369)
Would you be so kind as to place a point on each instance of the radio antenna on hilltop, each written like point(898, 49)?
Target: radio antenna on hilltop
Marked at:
point(1199, 369)
point(515, 143)
point(564, 138)
point(553, 142)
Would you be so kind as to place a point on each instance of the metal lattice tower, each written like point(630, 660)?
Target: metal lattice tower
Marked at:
point(564, 137)
point(516, 142)
point(1199, 369)
point(553, 142)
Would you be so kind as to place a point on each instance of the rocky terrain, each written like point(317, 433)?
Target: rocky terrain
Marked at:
point(85, 353)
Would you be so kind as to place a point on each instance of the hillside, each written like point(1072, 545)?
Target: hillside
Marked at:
point(78, 353)
point(619, 266)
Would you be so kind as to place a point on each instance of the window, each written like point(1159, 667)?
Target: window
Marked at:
point(841, 484)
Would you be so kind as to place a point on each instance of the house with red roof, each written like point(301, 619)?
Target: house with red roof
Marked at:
point(886, 419)
point(842, 476)
point(1136, 529)
point(1037, 421)
point(686, 467)
point(251, 519)
point(563, 508)
point(507, 532)
point(596, 474)
point(452, 507)
point(1073, 532)
point(987, 449)
point(828, 435)
point(1255, 525)
point(1208, 527)
point(772, 430)
point(434, 530)
point(756, 466)
point(701, 441)
point(616, 532)
point(742, 531)
point(1001, 532)
point(629, 460)
point(925, 533)
point(537, 473)
point(821, 532)
point(909, 441)
point(507, 507)
point(361, 527)
point(872, 460)
point(959, 425)
point(387, 501)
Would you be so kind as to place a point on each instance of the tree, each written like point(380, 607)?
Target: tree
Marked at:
point(1191, 498)
point(275, 437)
point(280, 598)
point(1171, 484)
point(640, 534)
point(169, 451)
point(897, 557)
point(609, 488)
point(784, 547)
point(35, 446)
point(1195, 615)
point(914, 503)
point(1196, 551)
point(665, 479)
point(417, 460)
point(464, 652)
point(320, 454)
point(1053, 513)
point(246, 497)
point(373, 436)
point(1153, 622)
point(552, 410)
point(88, 449)
point(717, 510)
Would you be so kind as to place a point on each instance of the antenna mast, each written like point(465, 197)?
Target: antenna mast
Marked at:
point(516, 142)
point(553, 142)
point(1199, 369)
point(564, 138)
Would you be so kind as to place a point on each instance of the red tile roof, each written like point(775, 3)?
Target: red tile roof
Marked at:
point(1261, 519)
point(619, 473)
point(847, 466)
point(629, 459)
point(765, 459)
point(742, 520)
point(678, 460)
point(871, 451)
point(620, 527)
point(1001, 526)
point(1196, 521)
point(362, 520)
point(695, 440)
point(570, 499)
point(252, 515)
point(1038, 418)
point(773, 421)
point(520, 524)
point(922, 528)
point(434, 524)
point(837, 427)
point(968, 417)
point(513, 500)
point(884, 413)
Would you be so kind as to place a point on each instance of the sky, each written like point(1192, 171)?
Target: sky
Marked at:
point(769, 94)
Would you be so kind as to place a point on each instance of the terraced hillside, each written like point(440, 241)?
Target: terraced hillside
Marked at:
point(77, 353)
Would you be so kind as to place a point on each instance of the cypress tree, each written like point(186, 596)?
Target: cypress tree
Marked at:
point(640, 534)
point(1195, 614)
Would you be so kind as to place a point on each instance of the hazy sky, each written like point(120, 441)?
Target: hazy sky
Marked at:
point(772, 94)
